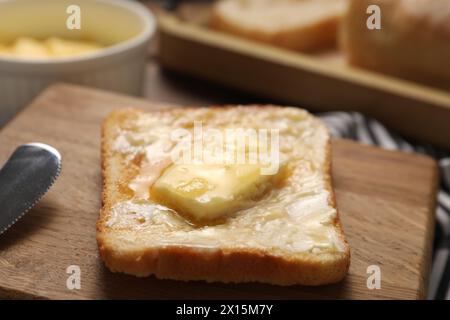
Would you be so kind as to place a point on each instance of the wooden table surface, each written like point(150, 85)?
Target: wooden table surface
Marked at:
point(386, 201)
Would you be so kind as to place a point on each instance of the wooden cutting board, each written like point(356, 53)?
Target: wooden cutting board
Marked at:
point(386, 200)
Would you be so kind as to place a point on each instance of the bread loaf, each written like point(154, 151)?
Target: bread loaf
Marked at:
point(302, 25)
point(413, 42)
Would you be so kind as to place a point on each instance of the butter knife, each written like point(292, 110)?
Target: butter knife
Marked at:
point(24, 179)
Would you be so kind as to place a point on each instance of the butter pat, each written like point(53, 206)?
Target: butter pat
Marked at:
point(208, 192)
point(29, 48)
point(63, 48)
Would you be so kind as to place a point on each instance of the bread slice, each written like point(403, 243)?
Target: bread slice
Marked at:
point(413, 42)
point(289, 234)
point(301, 25)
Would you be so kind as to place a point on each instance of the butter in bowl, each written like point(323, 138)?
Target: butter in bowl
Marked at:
point(107, 49)
point(29, 48)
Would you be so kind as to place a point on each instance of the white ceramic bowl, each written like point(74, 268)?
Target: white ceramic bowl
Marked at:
point(125, 26)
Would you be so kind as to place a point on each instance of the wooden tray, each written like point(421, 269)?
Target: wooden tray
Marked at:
point(386, 200)
point(320, 82)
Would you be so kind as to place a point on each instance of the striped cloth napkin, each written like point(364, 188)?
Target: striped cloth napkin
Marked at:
point(352, 125)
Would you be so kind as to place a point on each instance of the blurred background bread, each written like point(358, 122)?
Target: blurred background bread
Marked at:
point(302, 25)
point(413, 43)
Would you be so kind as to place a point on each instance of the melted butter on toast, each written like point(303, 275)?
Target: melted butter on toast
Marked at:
point(220, 205)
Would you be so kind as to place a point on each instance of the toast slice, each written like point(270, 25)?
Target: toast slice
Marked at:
point(158, 218)
point(301, 25)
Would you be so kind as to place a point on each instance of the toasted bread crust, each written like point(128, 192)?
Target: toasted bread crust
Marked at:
point(191, 263)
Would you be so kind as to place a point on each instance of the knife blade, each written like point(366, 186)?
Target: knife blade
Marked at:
point(24, 179)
